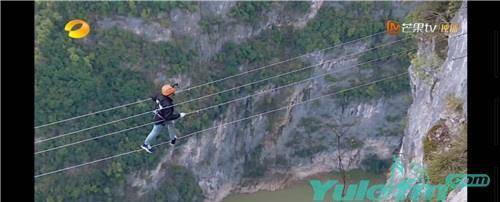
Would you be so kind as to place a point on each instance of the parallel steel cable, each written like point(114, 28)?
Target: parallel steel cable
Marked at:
point(134, 151)
point(92, 113)
point(223, 124)
point(234, 100)
point(223, 91)
point(89, 128)
point(207, 83)
point(294, 83)
point(290, 59)
point(94, 138)
point(227, 102)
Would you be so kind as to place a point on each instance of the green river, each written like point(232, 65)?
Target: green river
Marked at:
point(301, 191)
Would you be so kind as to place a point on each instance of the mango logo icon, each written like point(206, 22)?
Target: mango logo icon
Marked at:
point(393, 28)
point(80, 32)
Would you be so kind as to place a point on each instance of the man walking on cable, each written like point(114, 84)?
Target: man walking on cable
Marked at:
point(164, 116)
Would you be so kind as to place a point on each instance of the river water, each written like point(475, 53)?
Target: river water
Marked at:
point(301, 191)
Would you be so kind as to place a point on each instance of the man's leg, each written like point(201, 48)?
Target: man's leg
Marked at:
point(154, 132)
point(171, 131)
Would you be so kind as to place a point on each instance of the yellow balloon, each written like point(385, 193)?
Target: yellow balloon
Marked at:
point(79, 33)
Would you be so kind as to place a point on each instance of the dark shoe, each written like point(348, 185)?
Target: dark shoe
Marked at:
point(172, 142)
point(148, 148)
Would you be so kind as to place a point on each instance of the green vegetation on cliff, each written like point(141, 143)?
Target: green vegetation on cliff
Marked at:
point(113, 66)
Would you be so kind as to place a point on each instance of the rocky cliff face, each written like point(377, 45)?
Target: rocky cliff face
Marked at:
point(434, 87)
point(270, 151)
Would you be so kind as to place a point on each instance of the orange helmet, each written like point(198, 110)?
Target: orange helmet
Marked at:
point(167, 90)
